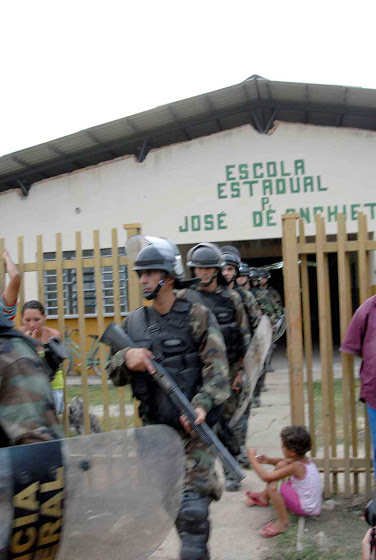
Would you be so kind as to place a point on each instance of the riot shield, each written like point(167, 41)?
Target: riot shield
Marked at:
point(280, 327)
point(122, 493)
point(253, 363)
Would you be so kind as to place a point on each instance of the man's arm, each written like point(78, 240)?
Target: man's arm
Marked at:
point(215, 387)
point(353, 341)
point(10, 293)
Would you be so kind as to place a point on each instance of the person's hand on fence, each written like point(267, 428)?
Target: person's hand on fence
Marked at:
point(138, 359)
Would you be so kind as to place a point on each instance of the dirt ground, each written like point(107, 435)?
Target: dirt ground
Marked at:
point(336, 534)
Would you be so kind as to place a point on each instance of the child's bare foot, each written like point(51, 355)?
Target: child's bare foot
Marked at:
point(274, 529)
point(255, 499)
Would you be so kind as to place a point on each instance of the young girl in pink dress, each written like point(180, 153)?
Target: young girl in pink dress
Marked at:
point(294, 485)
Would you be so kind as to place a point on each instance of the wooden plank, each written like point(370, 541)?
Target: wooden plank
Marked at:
point(21, 268)
point(61, 321)
point(134, 300)
point(307, 337)
point(331, 246)
point(364, 285)
point(82, 330)
point(352, 380)
point(134, 292)
point(344, 314)
point(339, 463)
point(324, 350)
point(71, 263)
point(115, 276)
point(40, 269)
point(294, 318)
point(332, 408)
point(100, 329)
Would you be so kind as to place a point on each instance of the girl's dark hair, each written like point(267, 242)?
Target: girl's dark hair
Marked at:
point(33, 304)
point(296, 438)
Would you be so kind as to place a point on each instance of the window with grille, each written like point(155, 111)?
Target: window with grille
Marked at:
point(70, 286)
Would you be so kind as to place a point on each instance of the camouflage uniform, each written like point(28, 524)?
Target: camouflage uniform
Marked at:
point(200, 473)
point(270, 303)
point(233, 438)
point(251, 307)
point(27, 409)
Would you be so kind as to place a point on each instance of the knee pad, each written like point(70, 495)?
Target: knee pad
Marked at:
point(193, 514)
point(193, 526)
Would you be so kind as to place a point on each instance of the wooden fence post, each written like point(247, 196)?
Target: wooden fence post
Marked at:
point(294, 318)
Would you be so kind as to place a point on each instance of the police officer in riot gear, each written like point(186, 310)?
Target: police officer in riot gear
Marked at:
point(270, 304)
point(207, 263)
point(231, 273)
point(185, 338)
point(243, 280)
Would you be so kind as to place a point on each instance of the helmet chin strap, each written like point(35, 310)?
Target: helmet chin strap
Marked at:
point(205, 284)
point(242, 285)
point(155, 292)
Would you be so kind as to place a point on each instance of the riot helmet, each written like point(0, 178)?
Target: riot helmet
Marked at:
point(232, 258)
point(207, 255)
point(244, 269)
point(254, 275)
point(264, 273)
point(157, 253)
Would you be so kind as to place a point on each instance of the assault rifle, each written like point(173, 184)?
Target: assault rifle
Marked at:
point(117, 340)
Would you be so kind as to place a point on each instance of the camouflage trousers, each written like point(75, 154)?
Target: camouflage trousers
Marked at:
point(200, 475)
point(232, 438)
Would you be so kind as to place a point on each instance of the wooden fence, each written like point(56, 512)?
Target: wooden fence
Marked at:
point(326, 401)
point(78, 264)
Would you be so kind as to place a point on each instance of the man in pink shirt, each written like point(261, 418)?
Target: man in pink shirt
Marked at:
point(360, 339)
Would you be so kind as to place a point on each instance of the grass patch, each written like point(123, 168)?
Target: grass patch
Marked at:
point(339, 410)
point(96, 394)
point(343, 530)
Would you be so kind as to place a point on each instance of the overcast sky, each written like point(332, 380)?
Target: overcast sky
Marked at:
point(69, 65)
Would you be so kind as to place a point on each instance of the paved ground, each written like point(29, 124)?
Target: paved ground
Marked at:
point(235, 528)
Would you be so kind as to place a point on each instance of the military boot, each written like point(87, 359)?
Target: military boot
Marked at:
point(193, 526)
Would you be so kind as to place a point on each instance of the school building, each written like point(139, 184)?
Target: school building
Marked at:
point(222, 167)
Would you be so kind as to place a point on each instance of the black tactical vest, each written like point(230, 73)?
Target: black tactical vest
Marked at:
point(169, 337)
point(224, 310)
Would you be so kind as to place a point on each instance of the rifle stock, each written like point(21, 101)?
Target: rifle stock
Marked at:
point(117, 340)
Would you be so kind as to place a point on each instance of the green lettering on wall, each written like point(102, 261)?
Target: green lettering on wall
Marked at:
point(250, 183)
point(184, 228)
point(299, 167)
point(354, 211)
point(371, 206)
point(290, 211)
point(257, 219)
point(319, 187)
point(243, 171)
point(294, 184)
point(270, 221)
point(221, 220)
point(305, 214)
point(267, 187)
point(209, 222)
point(332, 213)
point(283, 172)
point(281, 186)
point(235, 189)
point(318, 210)
point(195, 223)
point(308, 184)
point(220, 190)
point(257, 174)
point(271, 169)
point(229, 169)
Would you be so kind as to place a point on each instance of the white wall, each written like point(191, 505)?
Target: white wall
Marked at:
point(178, 182)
